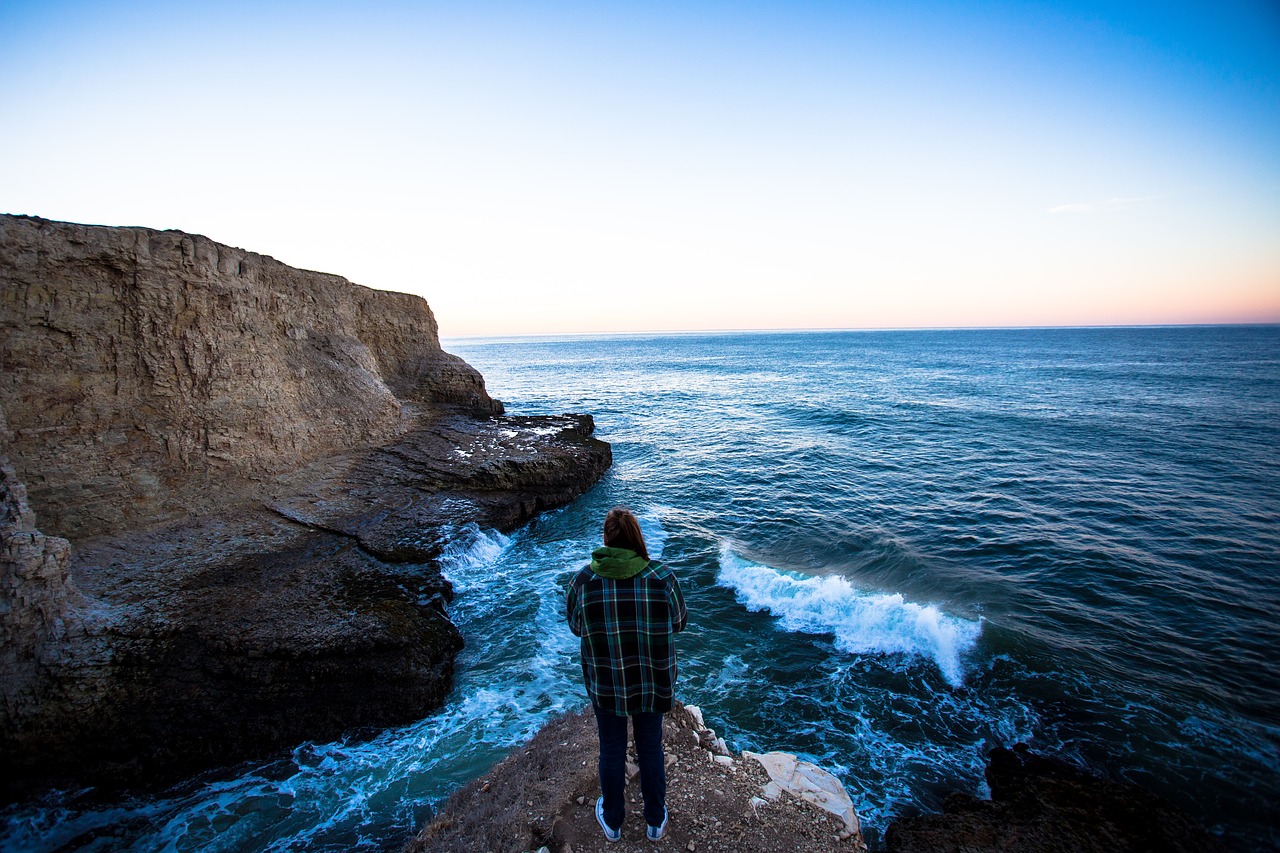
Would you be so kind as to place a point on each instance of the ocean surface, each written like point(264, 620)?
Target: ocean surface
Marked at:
point(899, 549)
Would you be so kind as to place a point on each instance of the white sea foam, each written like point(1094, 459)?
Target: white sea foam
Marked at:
point(547, 430)
point(469, 550)
point(862, 622)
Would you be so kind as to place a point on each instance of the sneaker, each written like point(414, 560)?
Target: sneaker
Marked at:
point(655, 833)
point(609, 834)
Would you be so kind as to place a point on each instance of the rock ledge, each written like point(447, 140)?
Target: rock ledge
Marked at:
point(543, 796)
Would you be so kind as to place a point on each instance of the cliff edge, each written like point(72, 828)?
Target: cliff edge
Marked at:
point(225, 485)
point(149, 375)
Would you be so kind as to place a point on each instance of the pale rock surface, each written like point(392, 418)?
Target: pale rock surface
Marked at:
point(807, 782)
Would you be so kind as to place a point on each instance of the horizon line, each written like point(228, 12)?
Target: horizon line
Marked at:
point(822, 329)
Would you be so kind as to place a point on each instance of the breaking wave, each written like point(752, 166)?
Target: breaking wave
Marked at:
point(862, 622)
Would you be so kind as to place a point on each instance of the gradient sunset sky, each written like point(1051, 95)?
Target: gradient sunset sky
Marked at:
point(537, 168)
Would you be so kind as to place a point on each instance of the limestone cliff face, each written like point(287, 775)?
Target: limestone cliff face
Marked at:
point(147, 373)
point(243, 475)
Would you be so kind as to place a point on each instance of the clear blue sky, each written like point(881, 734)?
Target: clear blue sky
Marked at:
point(560, 167)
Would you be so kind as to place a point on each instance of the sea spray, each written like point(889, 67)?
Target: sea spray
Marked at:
point(863, 623)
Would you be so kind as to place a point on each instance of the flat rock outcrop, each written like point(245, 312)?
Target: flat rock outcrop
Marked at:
point(226, 483)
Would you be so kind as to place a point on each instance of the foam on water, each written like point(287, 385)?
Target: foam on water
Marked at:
point(469, 550)
point(863, 623)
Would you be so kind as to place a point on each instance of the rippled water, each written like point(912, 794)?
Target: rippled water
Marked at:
point(898, 549)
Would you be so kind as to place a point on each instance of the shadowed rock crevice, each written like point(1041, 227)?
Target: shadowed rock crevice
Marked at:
point(252, 471)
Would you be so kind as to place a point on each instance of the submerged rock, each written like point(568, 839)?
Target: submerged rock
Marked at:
point(244, 474)
point(1044, 805)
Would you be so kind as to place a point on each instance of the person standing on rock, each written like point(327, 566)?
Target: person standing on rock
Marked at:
point(627, 608)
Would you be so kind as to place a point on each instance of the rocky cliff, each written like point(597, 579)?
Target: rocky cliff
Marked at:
point(225, 484)
point(147, 372)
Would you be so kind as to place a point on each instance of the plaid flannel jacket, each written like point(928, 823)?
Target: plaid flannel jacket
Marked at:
point(626, 626)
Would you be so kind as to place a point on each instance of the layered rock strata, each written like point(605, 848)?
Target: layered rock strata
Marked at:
point(226, 483)
point(144, 370)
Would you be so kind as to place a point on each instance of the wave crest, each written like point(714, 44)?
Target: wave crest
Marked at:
point(863, 623)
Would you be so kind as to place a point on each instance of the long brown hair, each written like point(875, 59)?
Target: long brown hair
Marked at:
point(622, 530)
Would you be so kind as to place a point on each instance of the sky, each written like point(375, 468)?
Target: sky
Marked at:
point(556, 167)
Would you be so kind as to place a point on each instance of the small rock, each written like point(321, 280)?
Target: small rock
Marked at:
point(582, 801)
point(690, 847)
point(722, 760)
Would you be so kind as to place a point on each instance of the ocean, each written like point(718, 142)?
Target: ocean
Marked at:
point(898, 549)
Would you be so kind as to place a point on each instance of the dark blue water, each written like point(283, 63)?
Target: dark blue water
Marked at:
point(898, 549)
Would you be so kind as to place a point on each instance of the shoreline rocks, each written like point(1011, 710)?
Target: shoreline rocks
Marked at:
point(1044, 805)
point(542, 797)
point(226, 487)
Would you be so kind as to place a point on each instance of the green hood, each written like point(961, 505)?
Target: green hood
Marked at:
point(617, 563)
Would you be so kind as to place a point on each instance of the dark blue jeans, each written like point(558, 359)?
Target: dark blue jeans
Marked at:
point(647, 729)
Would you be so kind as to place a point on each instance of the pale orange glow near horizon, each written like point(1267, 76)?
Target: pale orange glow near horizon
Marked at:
point(1186, 297)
